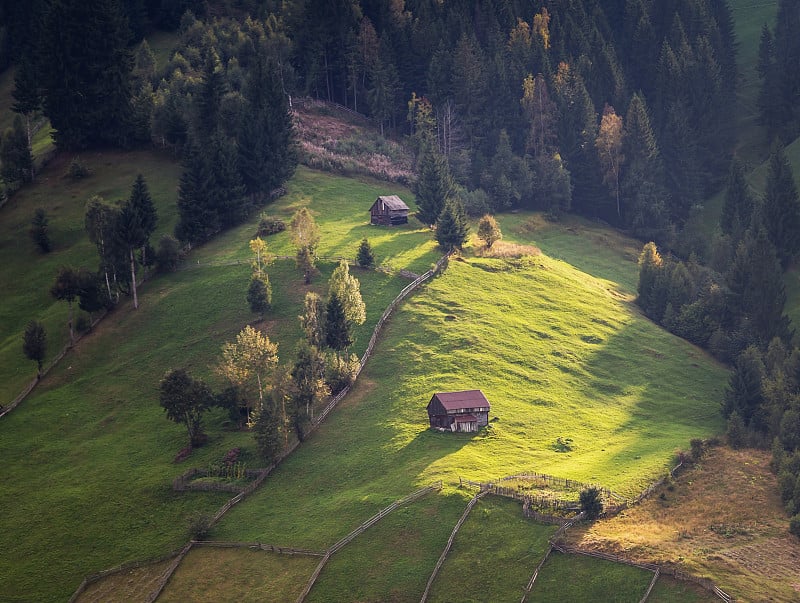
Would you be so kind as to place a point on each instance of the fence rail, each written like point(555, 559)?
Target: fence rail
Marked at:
point(449, 545)
point(360, 529)
point(271, 548)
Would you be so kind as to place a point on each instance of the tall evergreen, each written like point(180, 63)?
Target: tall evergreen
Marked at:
point(758, 292)
point(198, 220)
point(434, 185)
point(781, 208)
point(337, 328)
point(451, 226)
point(738, 204)
point(85, 72)
point(27, 94)
point(15, 155)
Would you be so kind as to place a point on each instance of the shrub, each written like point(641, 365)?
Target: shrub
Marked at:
point(168, 254)
point(83, 323)
point(77, 171)
point(591, 504)
point(269, 225)
point(199, 526)
point(794, 525)
point(39, 231)
point(340, 371)
point(736, 432)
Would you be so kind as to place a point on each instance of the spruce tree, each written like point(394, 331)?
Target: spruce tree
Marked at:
point(452, 227)
point(27, 94)
point(744, 394)
point(738, 204)
point(337, 328)
point(781, 208)
point(365, 257)
point(39, 232)
point(434, 186)
point(259, 294)
point(758, 291)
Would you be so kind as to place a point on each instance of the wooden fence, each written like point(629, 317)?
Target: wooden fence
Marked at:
point(360, 529)
point(407, 290)
point(186, 481)
point(270, 548)
point(4, 410)
point(263, 473)
point(449, 545)
point(546, 502)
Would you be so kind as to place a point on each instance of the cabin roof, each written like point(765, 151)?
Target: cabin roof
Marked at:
point(393, 202)
point(471, 398)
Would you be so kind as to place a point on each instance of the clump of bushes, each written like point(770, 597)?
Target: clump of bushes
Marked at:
point(340, 371)
point(269, 225)
point(169, 254)
point(77, 170)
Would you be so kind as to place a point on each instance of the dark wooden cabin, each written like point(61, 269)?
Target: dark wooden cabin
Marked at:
point(389, 211)
point(465, 411)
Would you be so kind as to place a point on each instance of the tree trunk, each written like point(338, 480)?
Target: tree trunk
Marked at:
point(71, 332)
point(133, 281)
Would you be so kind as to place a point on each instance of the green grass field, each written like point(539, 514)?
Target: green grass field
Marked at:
point(576, 578)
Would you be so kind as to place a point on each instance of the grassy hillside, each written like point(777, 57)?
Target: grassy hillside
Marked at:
point(558, 351)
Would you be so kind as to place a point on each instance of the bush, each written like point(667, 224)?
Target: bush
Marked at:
point(698, 448)
point(794, 525)
point(269, 225)
point(199, 526)
point(340, 371)
point(168, 254)
point(83, 323)
point(39, 231)
point(77, 171)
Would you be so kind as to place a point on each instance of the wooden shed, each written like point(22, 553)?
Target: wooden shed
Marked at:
point(464, 412)
point(389, 210)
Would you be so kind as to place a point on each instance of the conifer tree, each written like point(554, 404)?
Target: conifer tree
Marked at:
point(434, 186)
point(365, 257)
point(452, 228)
point(781, 208)
point(338, 335)
point(738, 204)
point(259, 294)
point(136, 222)
point(759, 294)
point(744, 394)
point(39, 232)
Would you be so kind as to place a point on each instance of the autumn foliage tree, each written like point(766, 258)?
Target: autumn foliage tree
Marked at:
point(609, 150)
point(489, 231)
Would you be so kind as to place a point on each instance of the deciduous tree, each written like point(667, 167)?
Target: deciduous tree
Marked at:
point(313, 320)
point(609, 150)
point(347, 288)
point(308, 387)
point(489, 231)
point(185, 399)
point(66, 288)
point(34, 344)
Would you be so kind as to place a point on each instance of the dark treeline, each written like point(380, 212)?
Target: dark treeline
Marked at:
point(616, 110)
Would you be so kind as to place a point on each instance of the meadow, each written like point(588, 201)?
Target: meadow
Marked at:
point(558, 351)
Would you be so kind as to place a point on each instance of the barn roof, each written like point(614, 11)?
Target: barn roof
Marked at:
point(467, 399)
point(393, 202)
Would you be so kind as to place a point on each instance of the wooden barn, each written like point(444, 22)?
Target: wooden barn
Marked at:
point(464, 412)
point(389, 210)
